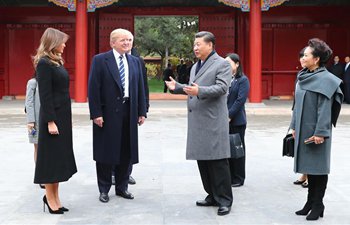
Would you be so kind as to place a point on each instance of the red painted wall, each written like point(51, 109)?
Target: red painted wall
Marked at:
point(20, 32)
point(285, 31)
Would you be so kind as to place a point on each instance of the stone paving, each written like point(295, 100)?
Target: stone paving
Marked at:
point(168, 185)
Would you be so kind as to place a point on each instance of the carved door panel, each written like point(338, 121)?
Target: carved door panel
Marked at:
point(223, 27)
point(23, 40)
point(110, 21)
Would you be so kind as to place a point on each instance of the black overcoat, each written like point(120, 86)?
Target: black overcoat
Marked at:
point(105, 100)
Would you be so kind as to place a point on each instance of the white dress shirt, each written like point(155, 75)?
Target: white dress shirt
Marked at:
point(126, 67)
point(347, 65)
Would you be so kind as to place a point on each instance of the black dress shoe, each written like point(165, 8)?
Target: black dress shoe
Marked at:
point(104, 197)
point(131, 180)
point(124, 194)
point(205, 203)
point(305, 184)
point(298, 182)
point(224, 210)
point(236, 185)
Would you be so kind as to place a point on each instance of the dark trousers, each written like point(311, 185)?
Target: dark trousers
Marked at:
point(215, 175)
point(122, 170)
point(129, 170)
point(237, 166)
point(165, 88)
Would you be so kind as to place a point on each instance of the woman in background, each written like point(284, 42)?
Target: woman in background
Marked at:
point(303, 178)
point(55, 161)
point(237, 97)
point(32, 107)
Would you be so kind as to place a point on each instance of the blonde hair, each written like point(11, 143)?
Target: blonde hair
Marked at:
point(116, 33)
point(51, 39)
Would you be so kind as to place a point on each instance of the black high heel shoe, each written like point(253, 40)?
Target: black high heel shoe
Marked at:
point(305, 210)
point(315, 214)
point(58, 211)
point(64, 209)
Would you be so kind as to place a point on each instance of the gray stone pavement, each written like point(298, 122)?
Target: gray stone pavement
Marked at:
point(168, 185)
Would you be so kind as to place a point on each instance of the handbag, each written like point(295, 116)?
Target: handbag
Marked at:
point(236, 146)
point(288, 145)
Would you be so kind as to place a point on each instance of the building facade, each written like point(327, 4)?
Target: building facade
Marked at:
point(285, 30)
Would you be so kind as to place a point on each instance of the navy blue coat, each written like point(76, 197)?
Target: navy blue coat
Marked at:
point(236, 99)
point(105, 99)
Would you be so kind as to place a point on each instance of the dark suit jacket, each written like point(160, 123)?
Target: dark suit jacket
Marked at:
point(236, 99)
point(337, 70)
point(106, 100)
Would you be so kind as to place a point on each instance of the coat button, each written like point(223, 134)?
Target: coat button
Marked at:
point(118, 98)
point(117, 110)
point(190, 110)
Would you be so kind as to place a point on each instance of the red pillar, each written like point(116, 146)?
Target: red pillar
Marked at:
point(255, 51)
point(81, 51)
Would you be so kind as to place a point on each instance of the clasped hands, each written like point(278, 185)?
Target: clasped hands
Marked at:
point(190, 90)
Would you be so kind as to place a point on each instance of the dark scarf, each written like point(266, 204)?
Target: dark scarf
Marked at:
point(199, 63)
point(323, 82)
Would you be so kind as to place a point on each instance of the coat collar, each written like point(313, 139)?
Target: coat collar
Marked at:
point(206, 65)
point(113, 68)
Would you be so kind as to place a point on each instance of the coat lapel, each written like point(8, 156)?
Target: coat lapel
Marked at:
point(113, 68)
point(131, 68)
point(206, 65)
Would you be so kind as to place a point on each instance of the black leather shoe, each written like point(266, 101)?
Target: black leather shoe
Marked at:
point(224, 210)
point(104, 197)
point(205, 203)
point(131, 180)
point(124, 194)
point(298, 182)
point(236, 185)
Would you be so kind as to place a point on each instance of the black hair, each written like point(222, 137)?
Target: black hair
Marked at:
point(235, 58)
point(301, 53)
point(207, 36)
point(320, 49)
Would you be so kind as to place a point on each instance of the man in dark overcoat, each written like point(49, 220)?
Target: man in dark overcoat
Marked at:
point(346, 80)
point(117, 106)
point(337, 69)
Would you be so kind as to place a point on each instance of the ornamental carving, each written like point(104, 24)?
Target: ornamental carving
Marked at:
point(91, 4)
point(244, 5)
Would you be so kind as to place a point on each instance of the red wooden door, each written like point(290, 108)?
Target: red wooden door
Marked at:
point(109, 22)
point(3, 78)
point(288, 41)
point(23, 40)
point(223, 27)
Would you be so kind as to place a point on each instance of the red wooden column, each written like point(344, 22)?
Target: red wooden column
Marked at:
point(81, 51)
point(255, 51)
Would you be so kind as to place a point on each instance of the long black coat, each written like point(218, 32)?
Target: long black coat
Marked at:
point(346, 79)
point(55, 161)
point(105, 100)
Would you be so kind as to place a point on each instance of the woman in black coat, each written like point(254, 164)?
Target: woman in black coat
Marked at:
point(55, 160)
point(237, 97)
